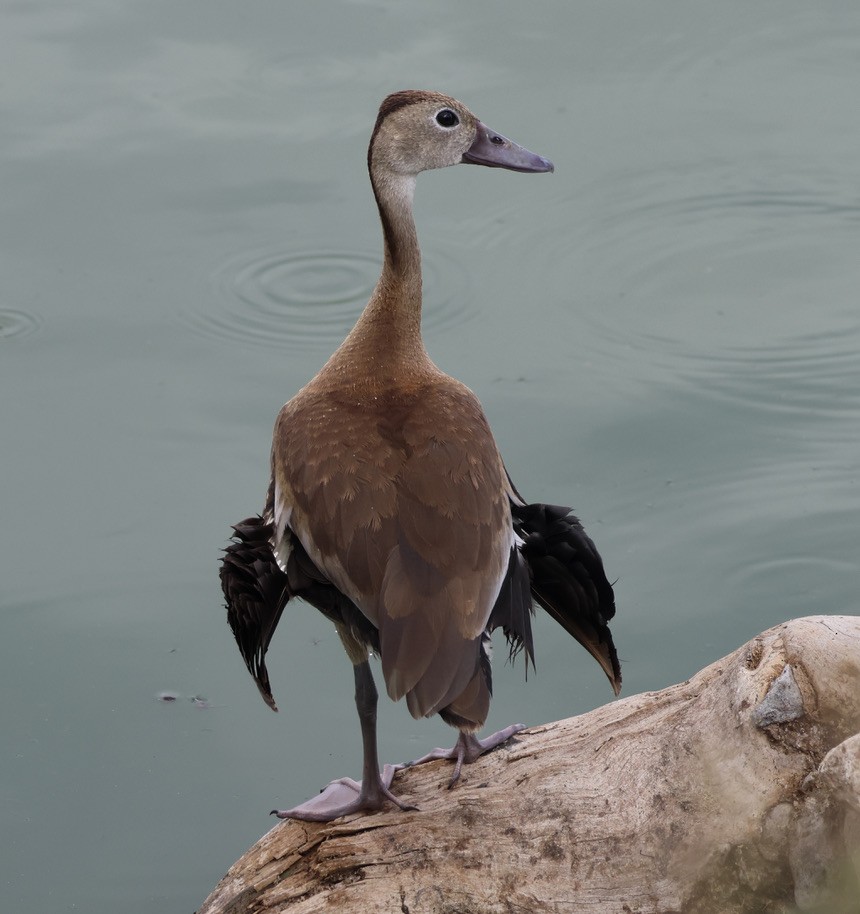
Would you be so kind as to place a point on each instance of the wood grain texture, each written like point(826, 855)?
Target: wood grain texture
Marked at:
point(736, 791)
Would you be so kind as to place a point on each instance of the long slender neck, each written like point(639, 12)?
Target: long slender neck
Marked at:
point(385, 345)
point(396, 300)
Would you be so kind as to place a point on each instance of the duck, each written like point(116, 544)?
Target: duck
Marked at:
point(390, 510)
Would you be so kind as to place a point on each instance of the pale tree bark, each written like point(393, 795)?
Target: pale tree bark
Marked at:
point(736, 791)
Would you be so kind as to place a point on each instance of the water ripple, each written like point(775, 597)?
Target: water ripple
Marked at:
point(17, 324)
point(818, 375)
point(310, 300)
point(811, 572)
point(742, 294)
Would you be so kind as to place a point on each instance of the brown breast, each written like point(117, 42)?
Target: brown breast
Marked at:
point(400, 497)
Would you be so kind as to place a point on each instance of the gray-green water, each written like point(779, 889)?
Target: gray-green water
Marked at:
point(665, 333)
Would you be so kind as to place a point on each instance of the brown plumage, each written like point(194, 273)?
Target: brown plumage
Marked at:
point(390, 509)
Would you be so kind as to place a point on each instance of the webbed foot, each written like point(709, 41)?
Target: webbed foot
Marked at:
point(467, 748)
point(346, 796)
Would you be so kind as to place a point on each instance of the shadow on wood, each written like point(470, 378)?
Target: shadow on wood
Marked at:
point(736, 791)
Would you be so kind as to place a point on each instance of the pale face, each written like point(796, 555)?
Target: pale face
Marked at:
point(433, 132)
point(428, 130)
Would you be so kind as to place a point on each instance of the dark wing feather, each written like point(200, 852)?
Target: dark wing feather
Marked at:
point(513, 609)
point(568, 580)
point(256, 592)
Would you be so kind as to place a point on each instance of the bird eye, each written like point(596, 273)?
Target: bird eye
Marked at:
point(447, 118)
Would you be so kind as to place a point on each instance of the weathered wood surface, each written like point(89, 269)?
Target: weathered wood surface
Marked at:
point(736, 791)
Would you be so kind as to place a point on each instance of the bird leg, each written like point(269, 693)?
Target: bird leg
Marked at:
point(467, 748)
point(345, 795)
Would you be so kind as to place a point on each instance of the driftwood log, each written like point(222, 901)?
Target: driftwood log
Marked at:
point(736, 791)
